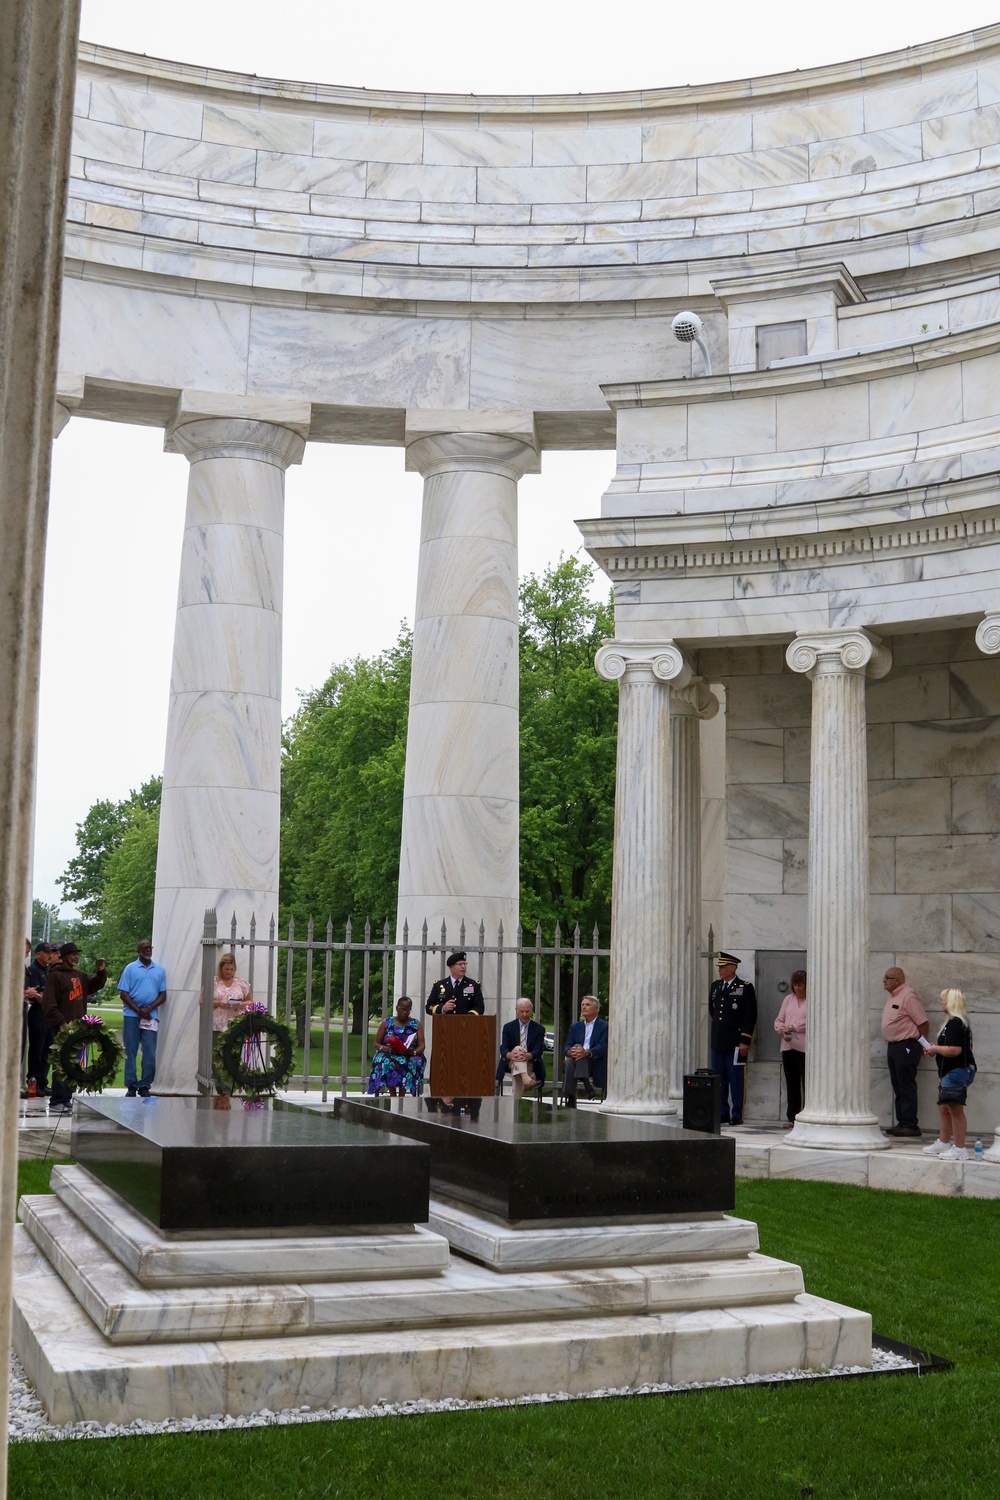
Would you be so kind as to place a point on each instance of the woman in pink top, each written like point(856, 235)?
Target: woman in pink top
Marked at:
point(230, 993)
point(790, 1024)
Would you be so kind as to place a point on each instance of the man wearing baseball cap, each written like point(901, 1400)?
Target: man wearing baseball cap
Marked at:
point(39, 1031)
point(64, 999)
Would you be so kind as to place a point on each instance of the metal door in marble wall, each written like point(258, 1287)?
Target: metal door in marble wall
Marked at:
point(766, 1085)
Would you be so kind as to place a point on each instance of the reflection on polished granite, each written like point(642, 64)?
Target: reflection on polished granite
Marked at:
point(528, 1161)
point(186, 1166)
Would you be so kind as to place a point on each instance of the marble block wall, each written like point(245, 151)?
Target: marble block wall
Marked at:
point(934, 809)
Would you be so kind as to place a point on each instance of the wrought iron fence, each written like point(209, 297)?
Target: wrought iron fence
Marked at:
point(342, 987)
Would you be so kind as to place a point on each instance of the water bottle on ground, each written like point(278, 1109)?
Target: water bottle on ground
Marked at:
point(978, 1153)
point(32, 1088)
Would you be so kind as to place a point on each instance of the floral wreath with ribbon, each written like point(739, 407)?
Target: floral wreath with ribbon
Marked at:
point(86, 1055)
point(239, 1062)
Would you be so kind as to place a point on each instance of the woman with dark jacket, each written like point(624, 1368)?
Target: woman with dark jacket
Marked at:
point(953, 1054)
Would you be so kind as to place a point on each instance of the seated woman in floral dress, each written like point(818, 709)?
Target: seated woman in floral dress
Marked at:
point(398, 1064)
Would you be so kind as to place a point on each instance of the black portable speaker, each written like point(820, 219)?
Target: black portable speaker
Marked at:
point(703, 1101)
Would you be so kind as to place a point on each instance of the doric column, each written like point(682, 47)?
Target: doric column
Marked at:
point(645, 994)
point(459, 848)
point(219, 818)
point(838, 1110)
point(688, 706)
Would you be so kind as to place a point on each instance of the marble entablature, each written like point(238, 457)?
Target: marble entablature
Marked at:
point(537, 247)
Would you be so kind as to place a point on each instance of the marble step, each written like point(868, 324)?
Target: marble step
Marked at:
point(507, 1247)
point(156, 1258)
point(125, 1312)
point(81, 1376)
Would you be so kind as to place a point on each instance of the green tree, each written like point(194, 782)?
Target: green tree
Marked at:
point(97, 837)
point(342, 791)
point(126, 900)
point(568, 747)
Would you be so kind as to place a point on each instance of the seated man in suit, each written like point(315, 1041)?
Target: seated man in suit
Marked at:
point(522, 1045)
point(586, 1054)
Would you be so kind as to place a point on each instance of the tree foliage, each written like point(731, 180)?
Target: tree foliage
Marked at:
point(569, 719)
point(342, 791)
point(343, 762)
point(84, 879)
point(112, 876)
point(126, 903)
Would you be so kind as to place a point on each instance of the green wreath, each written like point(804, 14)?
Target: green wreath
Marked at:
point(104, 1050)
point(232, 1071)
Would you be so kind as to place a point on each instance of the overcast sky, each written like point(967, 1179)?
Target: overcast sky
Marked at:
point(352, 514)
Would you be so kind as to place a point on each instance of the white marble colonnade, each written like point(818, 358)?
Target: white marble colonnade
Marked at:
point(656, 880)
point(838, 1111)
point(220, 813)
point(459, 846)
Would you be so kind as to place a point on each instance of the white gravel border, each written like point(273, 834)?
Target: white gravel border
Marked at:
point(28, 1422)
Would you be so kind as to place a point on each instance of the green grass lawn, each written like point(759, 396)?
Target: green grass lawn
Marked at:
point(924, 1267)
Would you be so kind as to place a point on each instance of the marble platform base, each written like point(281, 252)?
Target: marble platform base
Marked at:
point(901, 1169)
point(532, 1313)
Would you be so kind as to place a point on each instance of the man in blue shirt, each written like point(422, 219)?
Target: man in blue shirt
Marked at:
point(142, 989)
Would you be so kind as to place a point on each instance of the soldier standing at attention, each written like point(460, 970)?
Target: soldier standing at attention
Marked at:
point(457, 995)
point(732, 1007)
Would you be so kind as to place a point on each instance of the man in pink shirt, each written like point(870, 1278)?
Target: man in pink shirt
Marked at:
point(904, 1021)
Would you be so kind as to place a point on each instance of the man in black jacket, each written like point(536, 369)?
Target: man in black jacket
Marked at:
point(39, 1031)
point(732, 1008)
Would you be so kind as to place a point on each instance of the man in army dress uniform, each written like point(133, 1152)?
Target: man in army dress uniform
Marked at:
point(732, 1007)
point(457, 995)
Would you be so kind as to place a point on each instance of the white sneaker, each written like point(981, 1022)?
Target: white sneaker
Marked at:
point(955, 1153)
point(937, 1148)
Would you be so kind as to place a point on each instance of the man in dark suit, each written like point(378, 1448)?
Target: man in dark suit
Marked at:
point(732, 1009)
point(457, 995)
point(522, 1047)
point(586, 1053)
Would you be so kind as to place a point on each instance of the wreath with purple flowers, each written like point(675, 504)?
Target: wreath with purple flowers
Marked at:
point(87, 1055)
point(254, 1055)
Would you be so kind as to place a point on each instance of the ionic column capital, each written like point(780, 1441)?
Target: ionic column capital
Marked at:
point(694, 699)
point(662, 661)
point(829, 652)
point(988, 635)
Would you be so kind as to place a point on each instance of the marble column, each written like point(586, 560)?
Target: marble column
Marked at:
point(645, 992)
point(988, 641)
point(219, 819)
point(459, 847)
point(689, 705)
point(38, 42)
point(838, 1111)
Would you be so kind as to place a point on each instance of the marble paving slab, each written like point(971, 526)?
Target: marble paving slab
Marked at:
point(506, 1247)
point(126, 1312)
point(156, 1258)
point(902, 1169)
point(81, 1376)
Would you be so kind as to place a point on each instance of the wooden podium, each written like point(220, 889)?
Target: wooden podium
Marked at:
point(464, 1057)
